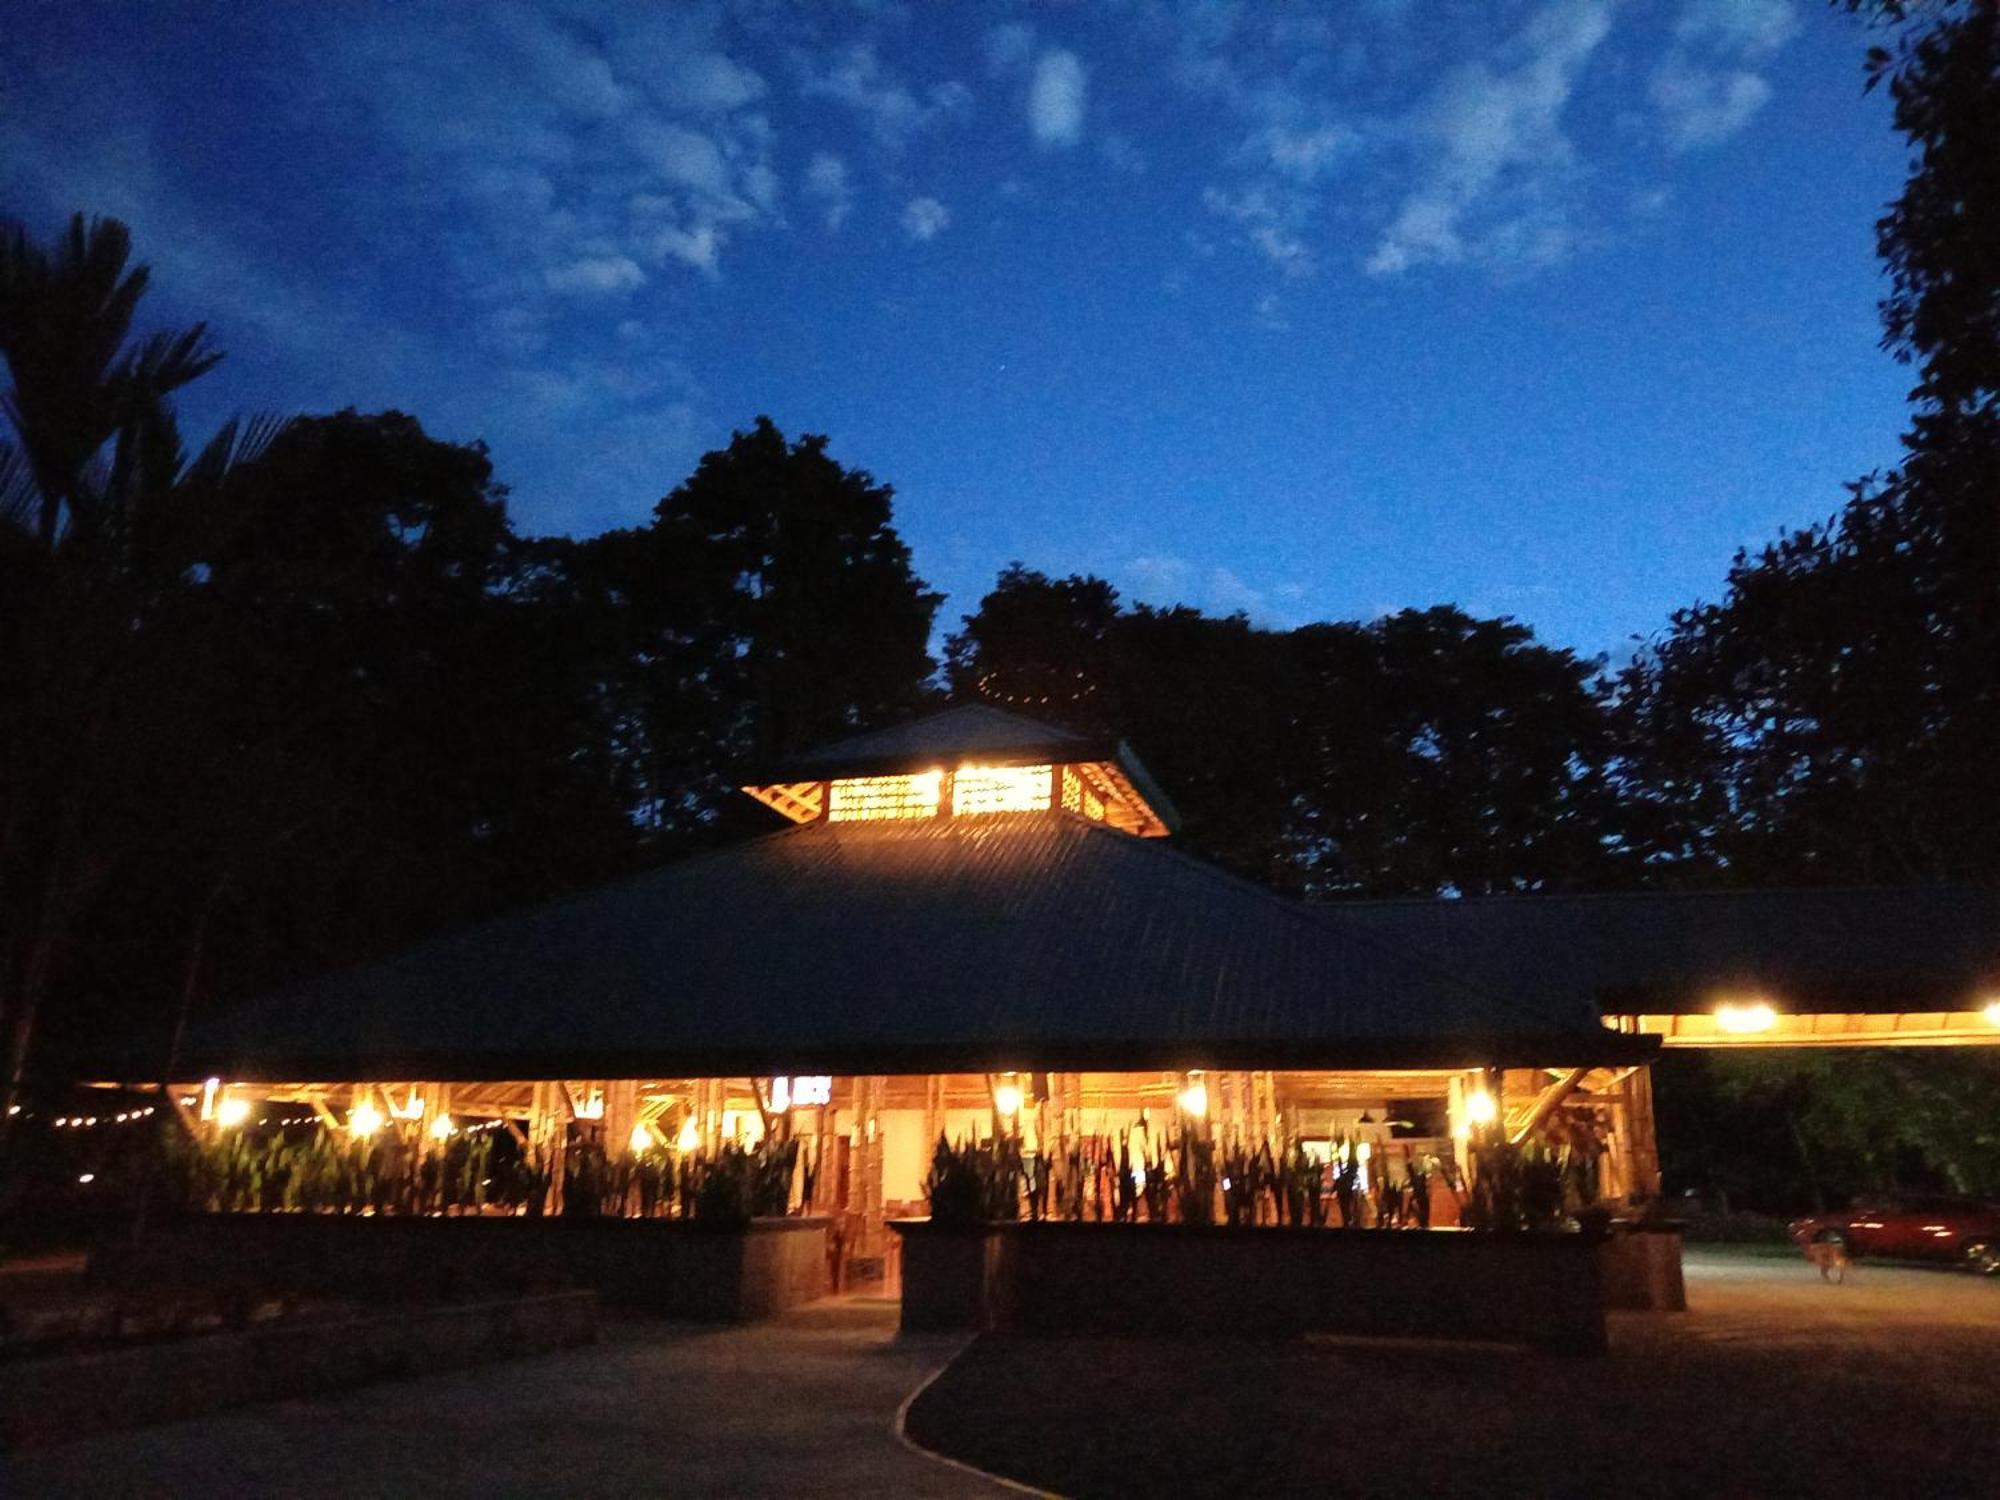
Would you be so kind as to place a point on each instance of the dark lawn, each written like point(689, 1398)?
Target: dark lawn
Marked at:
point(1774, 1383)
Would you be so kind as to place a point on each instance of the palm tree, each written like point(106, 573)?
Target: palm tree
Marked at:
point(79, 380)
point(99, 506)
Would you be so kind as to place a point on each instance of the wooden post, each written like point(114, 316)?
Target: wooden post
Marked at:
point(1645, 1146)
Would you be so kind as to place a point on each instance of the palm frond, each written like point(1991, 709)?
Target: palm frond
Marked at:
point(19, 499)
point(238, 442)
point(167, 361)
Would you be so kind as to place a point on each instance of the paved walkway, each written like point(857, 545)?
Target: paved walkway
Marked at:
point(797, 1409)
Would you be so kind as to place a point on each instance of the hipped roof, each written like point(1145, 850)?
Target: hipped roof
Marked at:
point(1037, 941)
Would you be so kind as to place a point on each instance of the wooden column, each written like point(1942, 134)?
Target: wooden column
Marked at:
point(621, 1113)
point(1645, 1147)
point(868, 1171)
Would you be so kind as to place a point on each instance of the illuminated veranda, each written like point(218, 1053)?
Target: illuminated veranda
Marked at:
point(867, 1140)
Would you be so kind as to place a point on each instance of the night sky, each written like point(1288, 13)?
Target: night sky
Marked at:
point(1313, 310)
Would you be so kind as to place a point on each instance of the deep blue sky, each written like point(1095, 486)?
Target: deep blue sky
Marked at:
point(1314, 310)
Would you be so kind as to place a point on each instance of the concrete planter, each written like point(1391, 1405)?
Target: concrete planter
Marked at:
point(665, 1266)
point(1215, 1281)
point(952, 1277)
point(61, 1397)
point(1641, 1267)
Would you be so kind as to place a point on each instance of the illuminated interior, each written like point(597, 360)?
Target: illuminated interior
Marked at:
point(876, 1135)
point(1096, 791)
point(870, 799)
point(1000, 789)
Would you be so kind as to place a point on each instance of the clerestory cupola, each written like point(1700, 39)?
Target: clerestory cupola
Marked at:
point(969, 762)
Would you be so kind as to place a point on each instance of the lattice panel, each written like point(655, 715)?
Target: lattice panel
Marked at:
point(797, 800)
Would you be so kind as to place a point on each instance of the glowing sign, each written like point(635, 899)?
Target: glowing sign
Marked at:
point(808, 1093)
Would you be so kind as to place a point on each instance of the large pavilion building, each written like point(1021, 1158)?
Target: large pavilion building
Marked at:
point(976, 924)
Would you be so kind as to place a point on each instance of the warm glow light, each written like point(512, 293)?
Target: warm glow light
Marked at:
point(1194, 1099)
point(591, 1108)
point(1992, 1012)
point(230, 1113)
point(1481, 1108)
point(208, 1092)
point(1364, 1151)
point(862, 799)
point(781, 1095)
point(1744, 1020)
point(813, 1090)
point(442, 1129)
point(1007, 1099)
point(998, 789)
point(642, 1140)
point(690, 1137)
point(364, 1119)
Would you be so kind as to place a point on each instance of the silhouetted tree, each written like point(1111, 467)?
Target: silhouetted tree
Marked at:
point(770, 606)
point(93, 484)
point(1832, 716)
point(1424, 752)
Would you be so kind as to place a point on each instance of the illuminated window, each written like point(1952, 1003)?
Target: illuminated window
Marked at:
point(1000, 789)
point(870, 798)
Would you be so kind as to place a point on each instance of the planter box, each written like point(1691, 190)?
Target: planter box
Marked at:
point(60, 1397)
point(952, 1278)
point(664, 1266)
point(1214, 1281)
point(1641, 1267)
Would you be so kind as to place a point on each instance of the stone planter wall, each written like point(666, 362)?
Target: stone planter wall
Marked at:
point(669, 1267)
point(952, 1278)
point(61, 1397)
point(1641, 1266)
point(1178, 1280)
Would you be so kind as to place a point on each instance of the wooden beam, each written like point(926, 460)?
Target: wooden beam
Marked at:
point(1548, 1103)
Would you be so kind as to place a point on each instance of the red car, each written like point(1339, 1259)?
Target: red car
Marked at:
point(1964, 1230)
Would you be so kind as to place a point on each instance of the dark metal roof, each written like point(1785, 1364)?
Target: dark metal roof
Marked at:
point(1037, 941)
point(1903, 948)
point(975, 732)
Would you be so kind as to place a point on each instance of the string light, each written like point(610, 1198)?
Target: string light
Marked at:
point(364, 1119)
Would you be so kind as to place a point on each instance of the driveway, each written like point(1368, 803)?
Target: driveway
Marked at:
point(801, 1408)
point(1773, 1383)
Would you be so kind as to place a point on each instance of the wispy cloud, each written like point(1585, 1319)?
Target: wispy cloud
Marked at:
point(925, 219)
point(826, 184)
point(1493, 158)
point(596, 274)
point(1707, 88)
point(856, 78)
point(1056, 99)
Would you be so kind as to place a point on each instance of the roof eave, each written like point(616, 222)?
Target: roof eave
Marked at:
point(1567, 1050)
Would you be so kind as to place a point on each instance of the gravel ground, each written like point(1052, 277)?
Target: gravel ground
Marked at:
point(1773, 1383)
